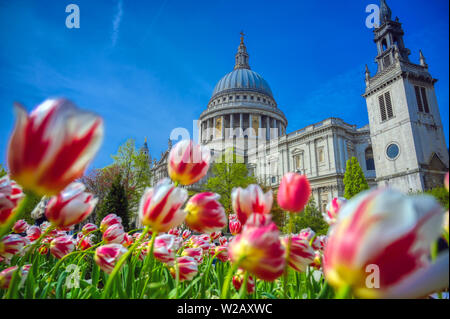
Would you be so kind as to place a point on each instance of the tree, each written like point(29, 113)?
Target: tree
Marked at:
point(115, 202)
point(440, 194)
point(2, 171)
point(354, 179)
point(312, 218)
point(228, 173)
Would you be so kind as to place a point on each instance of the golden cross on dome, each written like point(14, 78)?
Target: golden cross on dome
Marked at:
point(242, 36)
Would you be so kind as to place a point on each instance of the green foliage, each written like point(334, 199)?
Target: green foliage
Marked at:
point(354, 179)
point(31, 204)
point(439, 193)
point(310, 217)
point(229, 172)
point(115, 202)
point(3, 172)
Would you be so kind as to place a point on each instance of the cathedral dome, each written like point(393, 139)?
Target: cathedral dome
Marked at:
point(242, 80)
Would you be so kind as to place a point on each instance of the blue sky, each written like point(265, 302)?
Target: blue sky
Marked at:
point(150, 66)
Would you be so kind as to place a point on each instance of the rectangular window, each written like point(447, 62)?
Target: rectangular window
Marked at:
point(298, 159)
point(320, 155)
point(382, 108)
point(418, 98)
point(424, 100)
point(386, 109)
point(390, 113)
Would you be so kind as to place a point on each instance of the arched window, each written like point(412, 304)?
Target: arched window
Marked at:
point(384, 44)
point(370, 163)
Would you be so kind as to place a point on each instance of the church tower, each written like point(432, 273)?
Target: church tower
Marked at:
point(406, 131)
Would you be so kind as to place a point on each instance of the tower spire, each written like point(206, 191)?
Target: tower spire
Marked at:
point(422, 59)
point(385, 12)
point(242, 55)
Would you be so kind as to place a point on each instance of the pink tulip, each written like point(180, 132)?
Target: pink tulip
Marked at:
point(114, 234)
point(307, 234)
point(333, 208)
point(20, 226)
point(188, 162)
point(71, 206)
point(52, 146)
point(250, 200)
point(174, 231)
point(223, 240)
point(164, 249)
point(187, 268)
point(11, 245)
point(61, 246)
point(109, 220)
point(238, 279)
point(294, 192)
point(205, 213)
point(235, 227)
point(106, 256)
point(186, 233)
point(10, 194)
point(301, 253)
point(6, 276)
point(33, 233)
point(89, 227)
point(196, 253)
point(160, 207)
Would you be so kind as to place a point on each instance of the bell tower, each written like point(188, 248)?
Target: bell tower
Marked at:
point(407, 136)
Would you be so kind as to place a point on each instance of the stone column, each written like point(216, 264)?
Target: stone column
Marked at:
point(241, 124)
point(250, 124)
point(231, 125)
point(267, 128)
point(341, 152)
point(223, 126)
point(214, 128)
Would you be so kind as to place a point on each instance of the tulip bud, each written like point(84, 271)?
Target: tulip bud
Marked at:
point(33, 233)
point(188, 162)
point(174, 231)
point(300, 254)
point(186, 233)
point(11, 245)
point(89, 227)
point(215, 235)
point(20, 226)
point(114, 234)
point(319, 242)
point(127, 240)
point(259, 251)
point(223, 240)
point(205, 213)
point(235, 227)
point(387, 229)
point(160, 207)
point(71, 206)
point(10, 194)
point(222, 253)
point(196, 253)
point(187, 268)
point(333, 208)
point(107, 256)
point(164, 249)
point(52, 146)
point(250, 200)
point(307, 234)
point(238, 279)
point(61, 246)
point(109, 220)
point(294, 192)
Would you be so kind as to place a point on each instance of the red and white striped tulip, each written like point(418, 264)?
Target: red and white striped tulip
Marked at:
point(250, 200)
point(11, 245)
point(164, 249)
point(317, 262)
point(238, 279)
point(259, 251)
point(114, 234)
point(10, 194)
point(188, 162)
point(222, 253)
point(109, 220)
point(205, 213)
point(223, 240)
point(33, 233)
point(215, 235)
point(160, 207)
point(6, 276)
point(187, 268)
point(393, 231)
point(202, 243)
point(307, 234)
point(20, 226)
point(106, 256)
point(61, 246)
point(301, 254)
point(319, 242)
point(85, 242)
point(174, 231)
point(332, 209)
point(196, 253)
point(186, 233)
point(52, 146)
point(235, 227)
point(294, 192)
point(71, 206)
point(89, 227)
point(127, 240)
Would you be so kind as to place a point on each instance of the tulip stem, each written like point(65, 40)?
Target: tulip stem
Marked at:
point(205, 274)
point(226, 284)
point(16, 214)
point(243, 290)
point(344, 292)
point(150, 249)
point(288, 252)
point(121, 261)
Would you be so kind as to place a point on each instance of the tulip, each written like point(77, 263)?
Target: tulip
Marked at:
point(205, 213)
point(307, 234)
point(127, 240)
point(61, 246)
point(257, 220)
point(10, 194)
point(333, 208)
point(238, 279)
point(250, 200)
point(319, 242)
point(215, 235)
point(11, 245)
point(85, 242)
point(300, 254)
point(20, 226)
point(163, 248)
point(317, 262)
point(174, 231)
point(114, 234)
point(186, 233)
point(222, 253)
point(107, 256)
point(188, 162)
point(196, 253)
point(71, 206)
point(109, 220)
point(386, 229)
point(235, 227)
point(187, 268)
point(6, 276)
point(160, 207)
point(223, 240)
point(52, 146)
point(89, 227)
point(201, 243)
point(259, 251)
point(33, 233)
point(294, 192)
